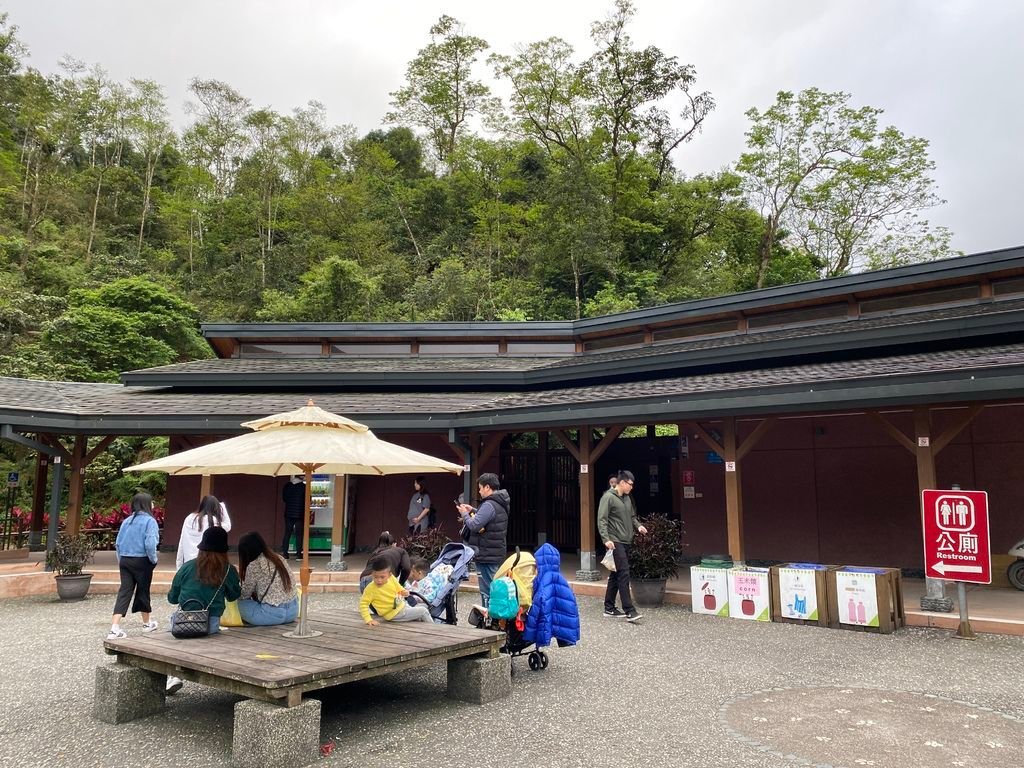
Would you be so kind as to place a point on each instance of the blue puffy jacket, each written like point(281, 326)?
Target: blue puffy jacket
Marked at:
point(554, 613)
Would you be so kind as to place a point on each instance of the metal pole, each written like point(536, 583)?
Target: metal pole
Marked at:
point(964, 631)
point(56, 491)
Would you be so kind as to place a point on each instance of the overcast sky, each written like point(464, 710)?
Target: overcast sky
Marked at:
point(950, 71)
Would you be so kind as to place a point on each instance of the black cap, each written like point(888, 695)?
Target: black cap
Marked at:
point(215, 539)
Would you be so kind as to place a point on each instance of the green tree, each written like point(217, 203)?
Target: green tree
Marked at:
point(826, 172)
point(440, 94)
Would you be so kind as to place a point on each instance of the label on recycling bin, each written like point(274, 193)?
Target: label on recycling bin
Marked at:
point(858, 600)
point(798, 593)
point(709, 589)
point(748, 594)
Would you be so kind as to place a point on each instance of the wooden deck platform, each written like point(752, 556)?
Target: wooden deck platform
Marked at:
point(275, 725)
point(260, 663)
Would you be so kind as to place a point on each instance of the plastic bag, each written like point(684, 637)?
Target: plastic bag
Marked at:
point(608, 561)
point(231, 617)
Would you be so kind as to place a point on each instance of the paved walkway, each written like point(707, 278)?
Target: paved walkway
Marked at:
point(676, 690)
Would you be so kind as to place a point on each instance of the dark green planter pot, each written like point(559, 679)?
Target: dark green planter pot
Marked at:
point(648, 592)
point(73, 587)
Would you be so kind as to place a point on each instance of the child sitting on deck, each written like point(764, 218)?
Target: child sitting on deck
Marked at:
point(386, 597)
point(426, 582)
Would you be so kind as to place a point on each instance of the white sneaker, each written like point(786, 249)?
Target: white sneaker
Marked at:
point(174, 684)
point(117, 634)
point(150, 626)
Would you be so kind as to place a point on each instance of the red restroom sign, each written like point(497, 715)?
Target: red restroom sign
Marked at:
point(956, 544)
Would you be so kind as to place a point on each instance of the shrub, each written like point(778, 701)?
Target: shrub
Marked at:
point(69, 555)
point(654, 555)
point(427, 544)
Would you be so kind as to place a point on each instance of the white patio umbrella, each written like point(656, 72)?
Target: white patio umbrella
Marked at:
point(306, 440)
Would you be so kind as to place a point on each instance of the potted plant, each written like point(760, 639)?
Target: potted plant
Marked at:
point(653, 559)
point(69, 555)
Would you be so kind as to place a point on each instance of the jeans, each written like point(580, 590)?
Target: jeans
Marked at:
point(618, 580)
point(214, 625)
point(136, 578)
point(363, 582)
point(263, 614)
point(292, 525)
point(484, 577)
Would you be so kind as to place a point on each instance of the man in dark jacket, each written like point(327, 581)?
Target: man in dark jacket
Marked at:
point(484, 529)
point(294, 497)
point(617, 523)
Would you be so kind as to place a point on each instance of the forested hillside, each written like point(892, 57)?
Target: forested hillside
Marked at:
point(118, 231)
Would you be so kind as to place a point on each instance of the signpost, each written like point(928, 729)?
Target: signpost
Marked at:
point(956, 542)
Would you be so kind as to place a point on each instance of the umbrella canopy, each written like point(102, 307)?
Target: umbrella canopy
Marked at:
point(302, 441)
point(286, 443)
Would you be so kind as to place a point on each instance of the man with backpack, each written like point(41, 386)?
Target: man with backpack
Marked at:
point(617, 523)
point(485, 528)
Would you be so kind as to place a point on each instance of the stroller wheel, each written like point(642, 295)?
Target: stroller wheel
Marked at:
point(534, 660)
point(543, 659)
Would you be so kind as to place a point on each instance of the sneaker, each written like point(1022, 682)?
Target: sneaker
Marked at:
point(174, 684)
point(117, 634)
point(632, 616)
point(150, 626)
point(614, 613)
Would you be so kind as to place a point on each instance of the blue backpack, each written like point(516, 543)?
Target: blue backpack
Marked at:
point(504, 603)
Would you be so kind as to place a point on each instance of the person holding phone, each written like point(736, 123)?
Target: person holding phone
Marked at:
point(485, 528)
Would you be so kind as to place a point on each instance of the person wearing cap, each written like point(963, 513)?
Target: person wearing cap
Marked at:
point(617, 523)
point(209, 579)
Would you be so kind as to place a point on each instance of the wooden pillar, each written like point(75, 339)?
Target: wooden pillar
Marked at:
point(935, 589)
point(588, 521)
point(543, 522)
point(35, 535)
point(73, 524)
point(205, 486)
point(733, 494)
point(337, 562)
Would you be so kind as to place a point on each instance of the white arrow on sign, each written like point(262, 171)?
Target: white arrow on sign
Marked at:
point(943, 567)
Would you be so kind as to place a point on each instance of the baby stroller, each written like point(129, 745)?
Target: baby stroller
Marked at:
point(444, 607)
point(521, 568)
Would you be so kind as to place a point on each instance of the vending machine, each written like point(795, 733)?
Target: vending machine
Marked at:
point(321, 512)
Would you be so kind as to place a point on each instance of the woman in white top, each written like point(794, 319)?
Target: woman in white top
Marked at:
point(211, 513)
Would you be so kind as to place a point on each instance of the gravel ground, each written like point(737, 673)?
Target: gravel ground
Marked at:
point(675, 690)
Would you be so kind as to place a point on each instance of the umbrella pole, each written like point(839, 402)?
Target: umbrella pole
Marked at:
point(304, 571)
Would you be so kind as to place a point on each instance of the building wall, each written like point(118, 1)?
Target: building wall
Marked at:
point(835, 490)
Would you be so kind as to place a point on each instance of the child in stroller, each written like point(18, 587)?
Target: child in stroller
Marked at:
point(442, 583)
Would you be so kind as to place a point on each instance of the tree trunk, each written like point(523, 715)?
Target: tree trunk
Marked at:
point(150, 170)
point(95, 209)
point(764, 250)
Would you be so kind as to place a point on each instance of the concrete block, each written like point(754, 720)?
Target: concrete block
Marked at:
point(273, 736)
point(479, 680)
point(126, 693)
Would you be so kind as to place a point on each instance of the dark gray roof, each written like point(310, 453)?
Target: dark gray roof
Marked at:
point(752, 348)
point(989, 373)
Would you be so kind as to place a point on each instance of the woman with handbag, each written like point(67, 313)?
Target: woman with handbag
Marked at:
point(206, 582)
point(268, 593)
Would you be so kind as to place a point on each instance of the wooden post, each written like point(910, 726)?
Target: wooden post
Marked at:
point(35, 534)
point(542, 487)
point(588, 523)
point(935, 589)
point(733, 497)
point(337, 562)
point(73, 524)
point(205, 486)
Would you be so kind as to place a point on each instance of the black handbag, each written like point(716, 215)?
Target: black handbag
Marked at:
point(194, 622)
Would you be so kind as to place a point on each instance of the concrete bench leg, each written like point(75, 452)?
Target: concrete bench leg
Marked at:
point(274, 736)
point(126, 693)
point(479, 679)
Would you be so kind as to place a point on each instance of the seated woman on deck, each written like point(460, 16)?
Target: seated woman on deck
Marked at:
point(209, 579)
point(268, 592)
